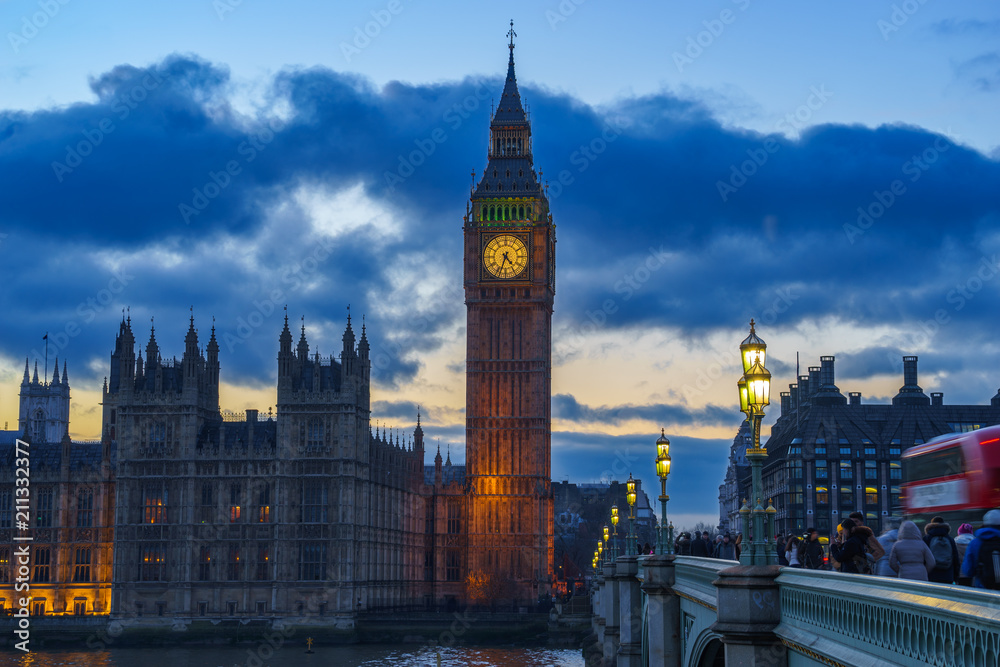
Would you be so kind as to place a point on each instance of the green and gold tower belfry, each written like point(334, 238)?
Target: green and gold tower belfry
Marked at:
point(509, 276)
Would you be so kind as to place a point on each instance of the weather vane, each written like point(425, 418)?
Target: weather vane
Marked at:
point(511, 33)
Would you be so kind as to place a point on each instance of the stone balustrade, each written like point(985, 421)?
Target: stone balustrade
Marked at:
point(673, 611)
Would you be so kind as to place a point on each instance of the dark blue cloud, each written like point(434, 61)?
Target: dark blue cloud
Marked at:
point(964, 27)
point(644, 235)
point(565, 406)
point(698, 465)
point(982, 72)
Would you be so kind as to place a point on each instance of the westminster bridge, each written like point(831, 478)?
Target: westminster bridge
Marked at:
point(675, 611)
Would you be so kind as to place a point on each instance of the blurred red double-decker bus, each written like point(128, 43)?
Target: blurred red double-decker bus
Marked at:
point(954, 476)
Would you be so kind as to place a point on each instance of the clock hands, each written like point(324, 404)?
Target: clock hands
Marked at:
point(505, 260)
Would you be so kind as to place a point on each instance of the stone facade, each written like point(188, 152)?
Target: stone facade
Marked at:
point(830, 455)
point(303, 513)
point(71, 508)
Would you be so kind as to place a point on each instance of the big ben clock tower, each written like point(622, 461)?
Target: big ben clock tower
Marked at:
point(509, 290)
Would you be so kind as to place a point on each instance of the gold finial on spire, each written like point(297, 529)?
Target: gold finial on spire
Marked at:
point(511, 34)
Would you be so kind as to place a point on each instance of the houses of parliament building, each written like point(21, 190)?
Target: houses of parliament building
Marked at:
point(181, 511)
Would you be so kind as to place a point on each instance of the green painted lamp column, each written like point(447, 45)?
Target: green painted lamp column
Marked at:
point(755, 394)
point(631, 549)
point(614, 523)
point(666, 545)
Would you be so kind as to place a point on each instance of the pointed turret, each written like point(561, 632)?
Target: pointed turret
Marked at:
point(65, 377)
point(348, 356)
point(123, 358)
point(437, 466)
point(27, 378)
point(34, 379)
point(303, 344)
point(55, 373)
point(285, 356)
point(152, 349)
point(212, 362)
point(418, 434)
point(509, 177)
point(192, 356)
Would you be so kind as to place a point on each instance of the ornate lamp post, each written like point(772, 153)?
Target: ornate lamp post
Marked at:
point(630, 542)
point(614, 522)
point(600, 550)
point(608, 546)
point(755, 395)
point(666, 545)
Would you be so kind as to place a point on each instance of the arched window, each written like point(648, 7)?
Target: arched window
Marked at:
point(38, 426)
point(529, 213)
point(506, 213)
point(493, 213)
point(520, 213)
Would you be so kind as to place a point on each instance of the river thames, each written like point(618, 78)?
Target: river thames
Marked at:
point(334, 656)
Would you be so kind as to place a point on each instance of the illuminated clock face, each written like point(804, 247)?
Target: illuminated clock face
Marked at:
point(505, 256)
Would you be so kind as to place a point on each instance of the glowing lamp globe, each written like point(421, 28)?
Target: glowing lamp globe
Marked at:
point(752, 348)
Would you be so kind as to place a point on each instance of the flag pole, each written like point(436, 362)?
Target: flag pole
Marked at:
point(46, 339)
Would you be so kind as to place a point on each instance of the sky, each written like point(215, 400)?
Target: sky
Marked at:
point(829, 169)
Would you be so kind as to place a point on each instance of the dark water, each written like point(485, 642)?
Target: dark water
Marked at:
point(339, 656)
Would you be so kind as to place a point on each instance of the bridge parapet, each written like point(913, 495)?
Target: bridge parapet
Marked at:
point(857, 620)
point(694, 577)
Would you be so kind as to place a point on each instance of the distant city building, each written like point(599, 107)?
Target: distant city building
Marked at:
point(736, 481)
point(71, 510)
point(582, 511)
point(830, 455)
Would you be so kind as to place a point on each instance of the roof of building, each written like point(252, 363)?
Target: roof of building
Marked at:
point(449, 474)
point(48, 455)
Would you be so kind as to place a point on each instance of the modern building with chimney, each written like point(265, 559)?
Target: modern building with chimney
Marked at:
point(830, 454)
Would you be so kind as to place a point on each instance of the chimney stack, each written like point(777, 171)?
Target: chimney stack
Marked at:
point(910, 371)
point(828, 393)
point(786, 402)
point(814, 372)
point(937, 398)
point(855, 397)
point(803, 389)
point(910, 393)
point(826, 373)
